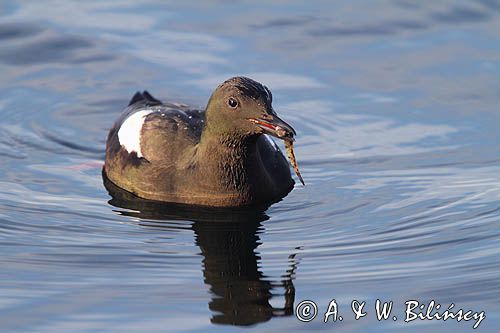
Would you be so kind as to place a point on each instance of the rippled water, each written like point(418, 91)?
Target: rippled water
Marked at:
point(396, 108)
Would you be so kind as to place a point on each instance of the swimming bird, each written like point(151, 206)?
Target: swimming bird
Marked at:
point(221, 156)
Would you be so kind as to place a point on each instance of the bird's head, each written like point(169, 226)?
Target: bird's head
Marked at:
point(242, 107)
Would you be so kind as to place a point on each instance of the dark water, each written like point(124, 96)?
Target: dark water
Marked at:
point(397, 108)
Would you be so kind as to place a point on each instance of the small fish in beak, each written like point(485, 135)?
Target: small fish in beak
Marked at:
point(275, 126)
point(293, 161)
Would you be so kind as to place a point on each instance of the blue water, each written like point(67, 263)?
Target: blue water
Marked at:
point(396, 105)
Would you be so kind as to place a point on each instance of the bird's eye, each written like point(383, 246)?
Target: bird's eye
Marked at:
point(233, 103)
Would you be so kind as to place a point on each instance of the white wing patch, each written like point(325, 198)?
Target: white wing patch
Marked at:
point(271, 141)
point(129, 133)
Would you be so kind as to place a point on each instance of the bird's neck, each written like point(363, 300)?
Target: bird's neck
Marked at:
point(228, 156)
point(233, 147)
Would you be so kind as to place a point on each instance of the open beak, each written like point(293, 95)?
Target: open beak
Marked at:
point(273, 125)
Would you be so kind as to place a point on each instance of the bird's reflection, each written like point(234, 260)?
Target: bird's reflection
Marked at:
point(227, 239)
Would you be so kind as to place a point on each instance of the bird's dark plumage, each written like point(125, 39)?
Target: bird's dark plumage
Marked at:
point(145, 98)
point(217, 157)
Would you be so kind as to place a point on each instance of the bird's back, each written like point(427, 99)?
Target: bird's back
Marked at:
point(155, 131)
point(147, 142)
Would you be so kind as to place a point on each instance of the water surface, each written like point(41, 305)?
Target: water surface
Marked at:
point(396, 108)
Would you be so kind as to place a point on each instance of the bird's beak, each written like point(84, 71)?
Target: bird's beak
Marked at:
point(273, 125)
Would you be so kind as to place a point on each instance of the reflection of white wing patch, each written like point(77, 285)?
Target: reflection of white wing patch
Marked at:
point(271, 141)
point(129, 133)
